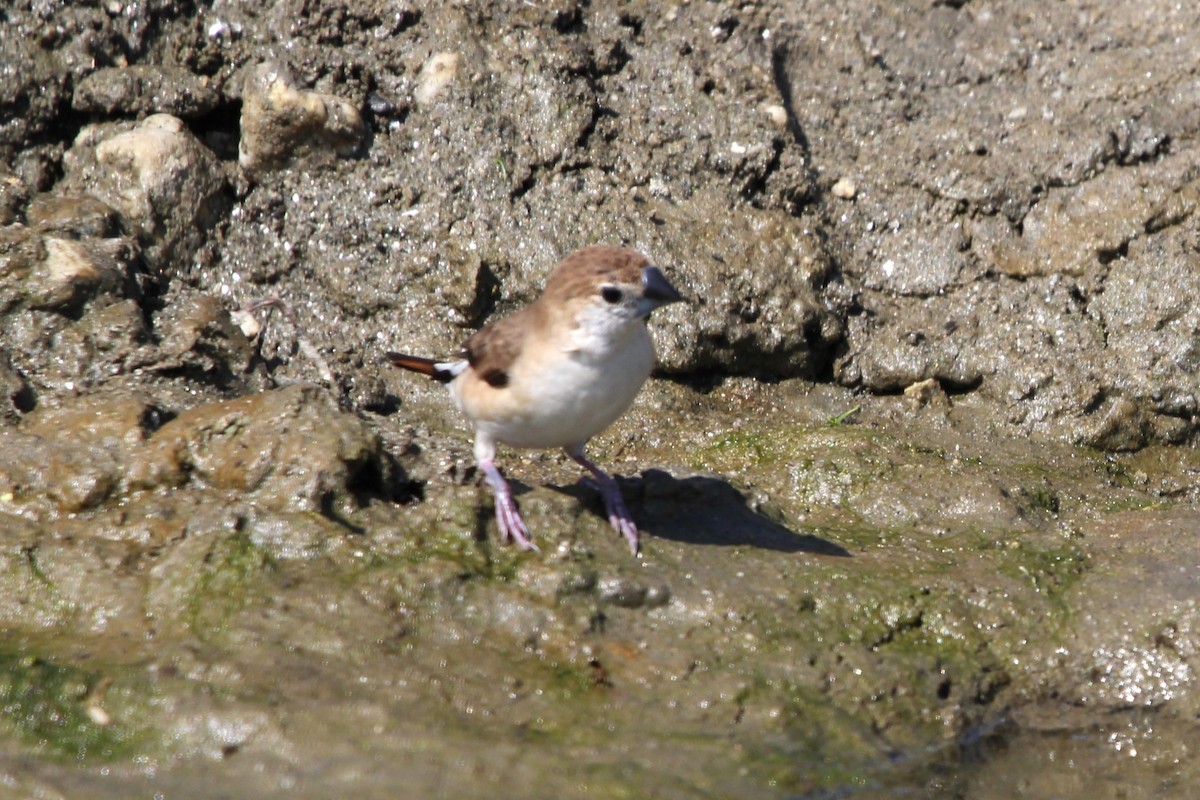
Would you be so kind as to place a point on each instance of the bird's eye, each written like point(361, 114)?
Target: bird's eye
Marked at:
point(611, 294)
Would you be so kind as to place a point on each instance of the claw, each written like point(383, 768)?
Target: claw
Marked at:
point(618, 515)
point(508, 518)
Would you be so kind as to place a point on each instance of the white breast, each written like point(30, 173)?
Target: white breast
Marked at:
point(562, 396)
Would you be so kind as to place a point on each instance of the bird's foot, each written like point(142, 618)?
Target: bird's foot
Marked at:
point(508, 518)
point(614, 504)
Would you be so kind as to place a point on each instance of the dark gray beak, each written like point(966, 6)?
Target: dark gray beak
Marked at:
point(657, 288)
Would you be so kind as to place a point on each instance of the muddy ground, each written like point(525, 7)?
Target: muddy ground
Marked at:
point(917, 474)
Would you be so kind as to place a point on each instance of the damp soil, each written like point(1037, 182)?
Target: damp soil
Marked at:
point(916, 475)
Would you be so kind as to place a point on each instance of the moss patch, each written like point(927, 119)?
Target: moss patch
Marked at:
point(226, 584)
point(58, 709)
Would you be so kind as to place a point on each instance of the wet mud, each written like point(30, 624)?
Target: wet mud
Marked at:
point(916, 474)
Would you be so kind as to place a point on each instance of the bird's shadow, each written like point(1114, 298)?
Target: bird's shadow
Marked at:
point(704, 510)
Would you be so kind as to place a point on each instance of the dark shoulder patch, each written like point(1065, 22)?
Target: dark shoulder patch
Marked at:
point(496, 378)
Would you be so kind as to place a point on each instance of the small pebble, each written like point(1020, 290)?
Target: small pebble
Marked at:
point(99, 716)
point(380, 105)
point(248, 323)
point(437, 74)
point(777, 114)
point(844, 189)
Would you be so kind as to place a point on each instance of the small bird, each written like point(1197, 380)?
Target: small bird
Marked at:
point(558, 371)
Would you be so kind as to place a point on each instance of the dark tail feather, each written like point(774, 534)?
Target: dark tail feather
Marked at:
point(425, 366)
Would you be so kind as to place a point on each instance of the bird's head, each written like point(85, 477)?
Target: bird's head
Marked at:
point(607, 288)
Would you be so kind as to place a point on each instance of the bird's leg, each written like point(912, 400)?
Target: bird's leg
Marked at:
point(508, 518)
point(614, 504)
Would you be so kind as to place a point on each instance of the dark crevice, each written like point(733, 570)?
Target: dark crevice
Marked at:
point(634, 24)
point(585, 133)
point(224, 377)
point(154, 418)
point(219, 129)
point(568, 20)
point(753, 190)
point(954, 387)
point(329, 510)
point(1098, 399)
point(992, 682)
point(526, 184)
point(1106, 257)
point(783, 83)
point(483, 301)
point(950, 386)
point(24, 399)
point(898, 629)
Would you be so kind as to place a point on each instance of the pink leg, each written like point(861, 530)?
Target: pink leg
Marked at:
point(508, 518)
point(618, 514)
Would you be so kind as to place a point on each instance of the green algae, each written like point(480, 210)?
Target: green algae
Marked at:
point(57, 708)
point(228, 581)
point(751, 446)
point(41, 601)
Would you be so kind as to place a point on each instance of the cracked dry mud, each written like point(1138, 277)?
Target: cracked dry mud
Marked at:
point(917, 475)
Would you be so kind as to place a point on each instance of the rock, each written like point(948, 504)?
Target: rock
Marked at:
point(143, 89)
point(55, 474)
point(917, 246)
point(1134, 637)
point(1120, 425)
point(68, 314)
point(48, 272)
point(917, 262)
point(1073, 229)
point(281, 122)
point(632, 593)
point(623, 592)
point(290, 449)
point(844, 189)
point(777, 114)
point(1150, 323)
point(77, 216)
point(33, 85)
point(108, 340)
point(117, 424)
point(437, 74)
point(169, 188)
point(14, 193)
point(926, 393)
point(73, 270)
point(198, 334)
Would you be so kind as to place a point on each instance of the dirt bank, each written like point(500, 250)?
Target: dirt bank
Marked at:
point(917, 473)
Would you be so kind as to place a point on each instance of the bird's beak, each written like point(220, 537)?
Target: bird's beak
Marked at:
point(657, 289)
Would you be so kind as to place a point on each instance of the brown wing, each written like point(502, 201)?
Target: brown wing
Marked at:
point(492, 350)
